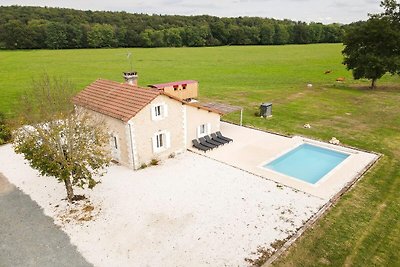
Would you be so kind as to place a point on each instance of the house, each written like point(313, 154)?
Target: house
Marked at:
point(148, 123)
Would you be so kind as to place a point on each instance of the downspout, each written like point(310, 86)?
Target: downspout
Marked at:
point(130, 135)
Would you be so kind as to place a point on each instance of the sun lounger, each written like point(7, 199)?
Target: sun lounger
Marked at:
point(199, 146)
point(219, 134)
point(216, 138)
point(213, 142)
point(207, 144)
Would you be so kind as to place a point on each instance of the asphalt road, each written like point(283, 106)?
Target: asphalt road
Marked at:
point(30, 238)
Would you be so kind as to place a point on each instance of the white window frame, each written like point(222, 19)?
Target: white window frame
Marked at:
point(207, 130)
point(165, 141)
point(159, 111)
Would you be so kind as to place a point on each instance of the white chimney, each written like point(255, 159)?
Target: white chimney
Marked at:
point(131, 77)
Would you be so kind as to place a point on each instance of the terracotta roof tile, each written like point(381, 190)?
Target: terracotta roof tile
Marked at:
point(118, 100)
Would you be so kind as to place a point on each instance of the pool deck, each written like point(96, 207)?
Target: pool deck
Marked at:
point(252, 149)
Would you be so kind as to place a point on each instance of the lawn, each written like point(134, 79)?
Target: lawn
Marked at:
point(363, 228)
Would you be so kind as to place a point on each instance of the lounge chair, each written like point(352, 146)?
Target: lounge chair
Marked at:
point(199, 146)
point(216, 138)
point(205, 143)
point(209, 140)
point(219, 134)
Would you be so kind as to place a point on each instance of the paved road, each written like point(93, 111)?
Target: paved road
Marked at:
point(28, 237)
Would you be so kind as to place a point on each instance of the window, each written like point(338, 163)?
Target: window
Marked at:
point(115, 142)
point(159, 111)
point(161, 141)
point(203, 130)
point(183, 86)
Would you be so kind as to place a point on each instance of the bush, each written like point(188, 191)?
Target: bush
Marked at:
point(5, 132)
point(154, 162)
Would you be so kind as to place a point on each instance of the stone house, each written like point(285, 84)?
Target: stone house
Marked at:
point(148, 123)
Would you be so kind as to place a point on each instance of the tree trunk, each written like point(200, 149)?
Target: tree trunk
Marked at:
point(70, 191)
point(373, 83)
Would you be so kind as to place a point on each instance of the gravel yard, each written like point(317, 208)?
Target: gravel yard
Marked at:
point(188, 211)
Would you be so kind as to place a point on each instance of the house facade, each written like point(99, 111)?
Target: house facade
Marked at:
point(147, 123)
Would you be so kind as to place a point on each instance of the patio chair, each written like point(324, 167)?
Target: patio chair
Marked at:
point(219, 134)
point(199, 146)
point(216, 138)
point(209, 140)
point(205, 143)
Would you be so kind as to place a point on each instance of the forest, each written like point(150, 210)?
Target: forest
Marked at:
point(23, 27)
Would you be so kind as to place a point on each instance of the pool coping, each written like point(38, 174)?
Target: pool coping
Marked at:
point(296, 146)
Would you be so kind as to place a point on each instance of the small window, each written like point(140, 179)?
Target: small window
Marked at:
point(115, 142)
point(183, 86)
point(157, 111)
point(203, 129)
point(159, 140)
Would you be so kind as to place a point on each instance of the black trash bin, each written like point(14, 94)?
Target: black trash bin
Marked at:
point(266, 110)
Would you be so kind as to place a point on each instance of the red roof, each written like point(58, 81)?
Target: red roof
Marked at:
point(118, 100)
point(163, 85)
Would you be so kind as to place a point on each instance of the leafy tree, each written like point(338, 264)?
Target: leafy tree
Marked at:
point(56, 35)
point(301, 33)
point(5, 133)
point(58, 140)
point(173, 37)
point(37, 29)
point(373, 48)
point(101, 35)
point(15, 35)
point(267, 32)
point(281, 34)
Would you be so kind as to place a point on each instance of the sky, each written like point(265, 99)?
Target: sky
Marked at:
point(325, 11)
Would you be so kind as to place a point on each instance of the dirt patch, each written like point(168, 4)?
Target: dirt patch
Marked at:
point(76, 212)
point(5, 186)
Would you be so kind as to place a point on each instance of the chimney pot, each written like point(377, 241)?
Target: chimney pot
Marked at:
point(131, 77)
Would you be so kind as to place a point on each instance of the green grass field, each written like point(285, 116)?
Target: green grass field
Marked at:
point(363, 229)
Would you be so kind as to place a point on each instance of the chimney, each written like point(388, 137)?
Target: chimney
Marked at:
point(131, 77)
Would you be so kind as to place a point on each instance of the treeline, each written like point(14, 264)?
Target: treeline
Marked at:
point(59, 28)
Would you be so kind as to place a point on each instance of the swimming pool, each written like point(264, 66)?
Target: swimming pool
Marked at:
point(307, 162)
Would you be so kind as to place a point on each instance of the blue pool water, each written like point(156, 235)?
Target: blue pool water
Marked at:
point(307, 162)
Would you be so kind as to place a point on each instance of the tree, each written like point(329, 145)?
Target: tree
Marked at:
point(267, 32)
point(56, 35)
point(281, 34)
point(373, 47)
point(101, 35)
point(59, 140)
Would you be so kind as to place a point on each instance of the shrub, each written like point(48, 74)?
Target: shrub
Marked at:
point(143, 166)
point(154, 162)
point(5, 132)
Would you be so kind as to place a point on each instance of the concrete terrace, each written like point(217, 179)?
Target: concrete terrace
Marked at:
point(253, 148)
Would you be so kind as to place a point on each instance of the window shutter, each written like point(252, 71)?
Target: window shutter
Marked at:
point(167, 139)
point(198, 131)
point(154, 142)
point(153, 112)
point(165, 110)
point(208, 128)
